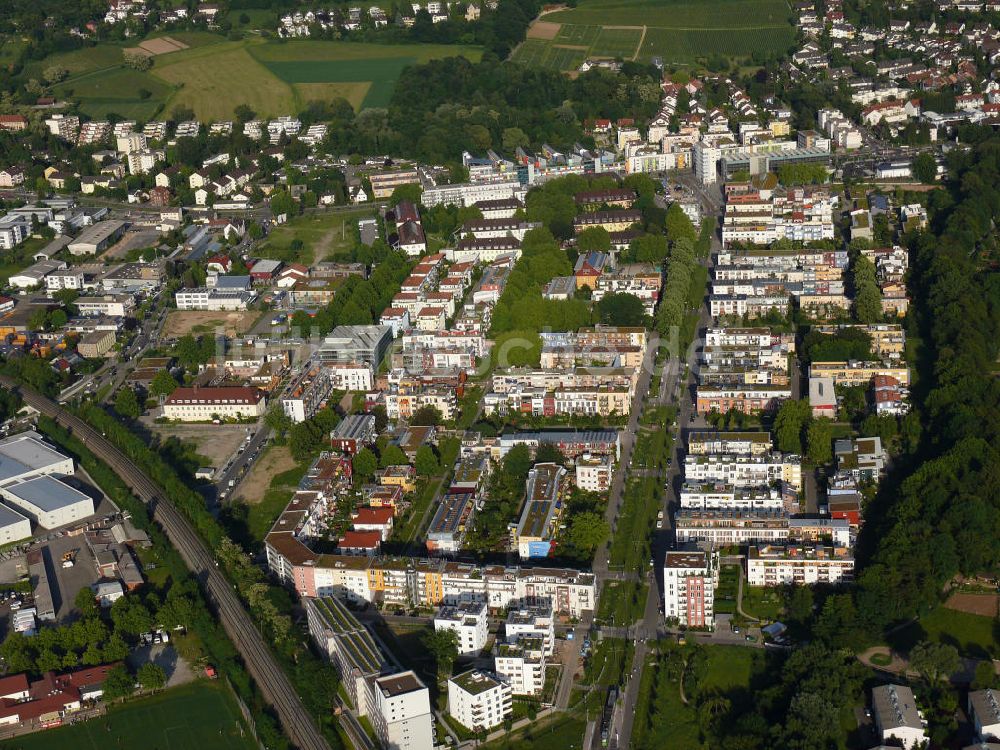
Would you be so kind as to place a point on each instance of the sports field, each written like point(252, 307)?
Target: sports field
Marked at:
point(213, 76)
point(199, 715)
point(679, 31)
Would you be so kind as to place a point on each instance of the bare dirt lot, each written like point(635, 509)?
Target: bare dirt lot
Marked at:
point(182, 322)
point(216, 442)
point(162, 45)
point(276, 460)
point(975, 604)
point(543, 30)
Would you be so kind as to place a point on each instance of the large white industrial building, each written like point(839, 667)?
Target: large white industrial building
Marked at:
point(31, 490)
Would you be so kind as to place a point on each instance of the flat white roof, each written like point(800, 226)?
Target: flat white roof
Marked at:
point(47, 493)
point(9, 517)
point(26, 452)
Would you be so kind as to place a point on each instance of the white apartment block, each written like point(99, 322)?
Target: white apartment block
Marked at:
point(465, 194)
point(469, 621)
point(214, 299)
point(532, 622)
point(744, 471)
point(689, 583)
point(594, 473)
point(522, 666)
point(478, 700)
point(777, 565)
point(399, 708)
point(206, 404)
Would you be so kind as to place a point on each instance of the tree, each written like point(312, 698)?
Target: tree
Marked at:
point(86, 603)
point(426, 416)
point(54, 73)
point(934, 661)
point(115, 649)
point(57, 319)
point(513, 138)
point(426, 461)
point(127, 403)
point(924, 168)
point(819, 442)
point(163, 384)
point(364, 463)
point(679, 225)
point(588, 531)
point(788, 424)
point(410, 193)
point(986, 676)
point(151, 676)
point(593, 239)
point(38, 320)
point(443, 646)
point(621, 309)
point(868, 304)
point(139, 61)
point(243, 113)
point(118, 683)
point(393, 456)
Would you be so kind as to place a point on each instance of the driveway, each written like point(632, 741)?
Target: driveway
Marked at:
point(164, 655)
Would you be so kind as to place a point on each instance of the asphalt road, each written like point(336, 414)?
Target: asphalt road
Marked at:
point(674, 382)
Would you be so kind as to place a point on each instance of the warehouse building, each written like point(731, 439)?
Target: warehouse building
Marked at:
point(26, 456)
point(13, 526)
point(48, 502)
point(97, 238)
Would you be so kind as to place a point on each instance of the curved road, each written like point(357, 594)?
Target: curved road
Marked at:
point(256, 653)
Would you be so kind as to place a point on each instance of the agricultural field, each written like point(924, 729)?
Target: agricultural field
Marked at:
point(681, 32)
point(202, 714)
point(213, 76)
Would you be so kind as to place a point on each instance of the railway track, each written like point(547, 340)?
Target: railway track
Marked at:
point(263, 667)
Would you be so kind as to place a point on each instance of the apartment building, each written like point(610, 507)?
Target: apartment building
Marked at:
point(348, 645)
point(203, 404)
point(533, 534)
point(859, 373)
point(689, 583)
point(452, 519)
point(897, 718)
point(479, 700)
point(739, 443)
point(532, 621)
point(521, 665)
point(746, 399)
point(801, 565)
point(469, 621)
point(399, 707)
point(745, 471)
point(594, 473)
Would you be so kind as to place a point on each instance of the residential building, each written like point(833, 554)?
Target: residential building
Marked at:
point(897, 717)
point(532, 621)
point(203, 404)
point(479, 700)
point(532, 535)
point(594, 473)
point(347, 644)
point(984, 710)
point(361, 343)
point(353, 432)
point(400, 711)
point(521, 665)
point(799, 565)
point(469, 621)
point(689, 583)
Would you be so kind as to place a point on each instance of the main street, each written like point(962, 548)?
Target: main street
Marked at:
point(677, 388)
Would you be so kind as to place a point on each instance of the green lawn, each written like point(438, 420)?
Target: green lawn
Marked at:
point(321, 234)
point(663, 721)
point(622, 602)
point(562, 732)
point(609, 661)
point(202, 714)
point(972, 635)
point(762, 602)
point(725, 595)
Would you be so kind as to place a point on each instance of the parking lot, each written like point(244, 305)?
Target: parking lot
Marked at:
point(67, 582)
